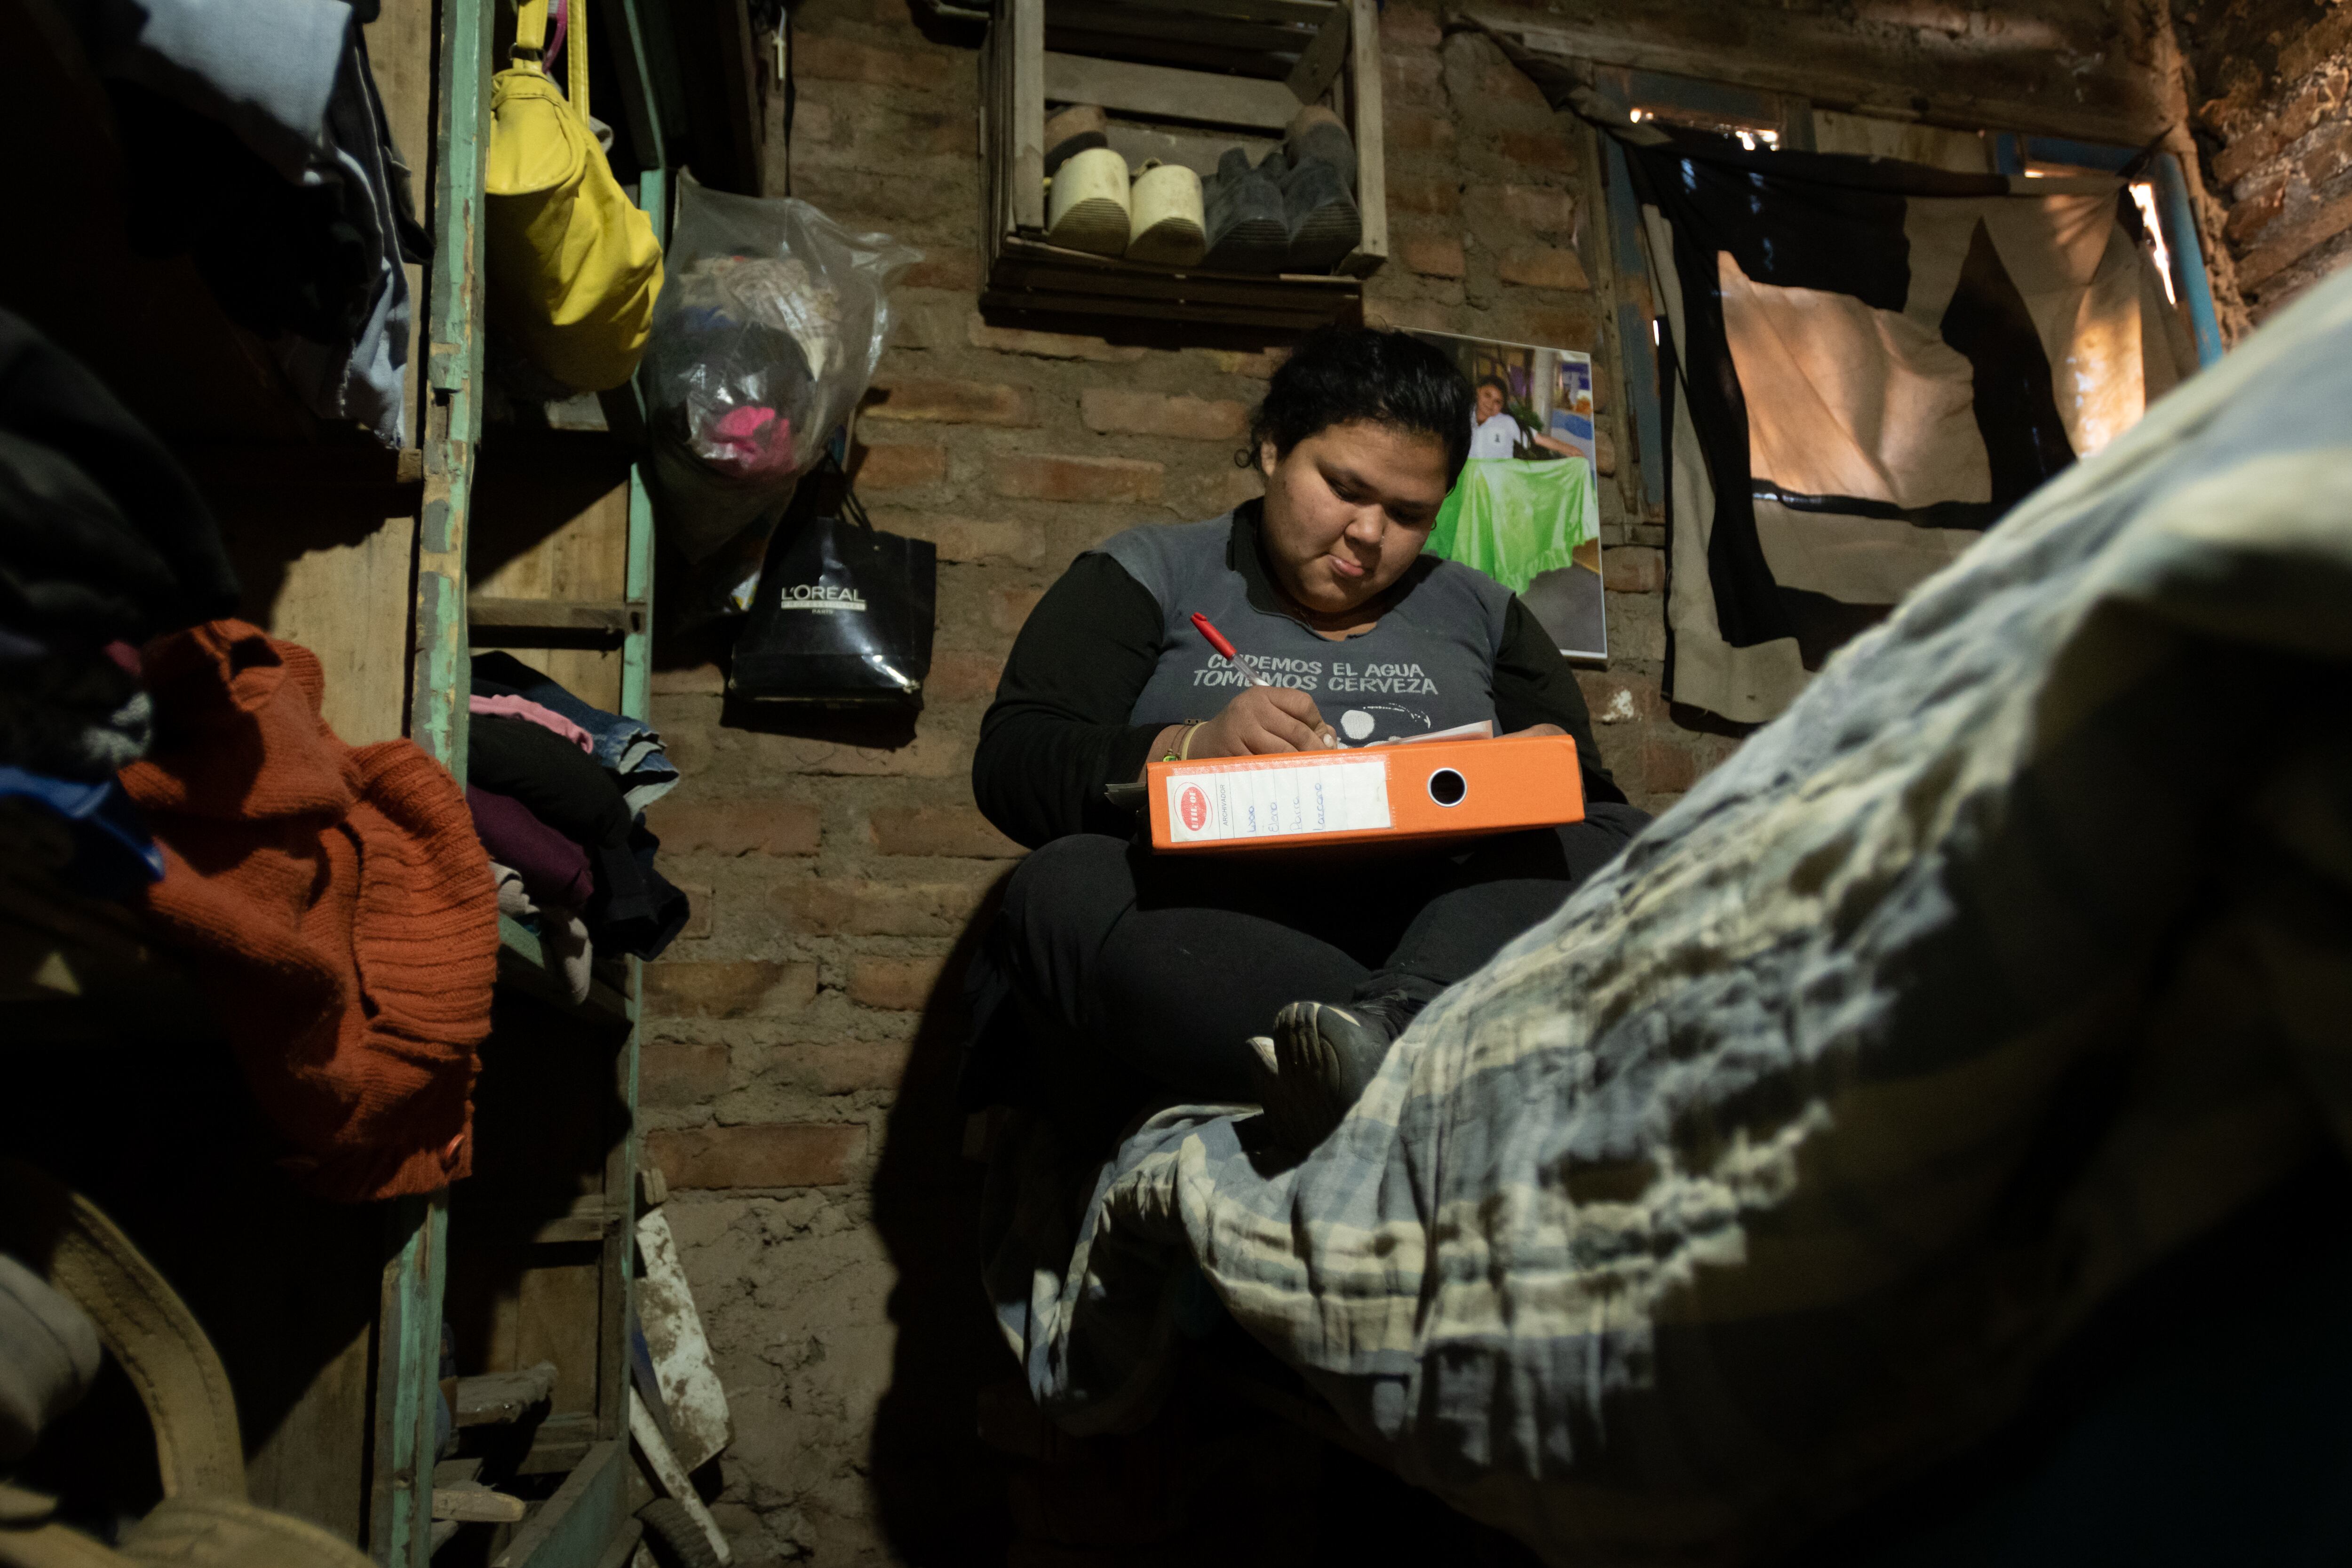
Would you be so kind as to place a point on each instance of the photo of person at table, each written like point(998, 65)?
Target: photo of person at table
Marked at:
point(1495, 432)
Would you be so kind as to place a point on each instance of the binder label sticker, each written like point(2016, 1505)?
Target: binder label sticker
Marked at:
point(1278, 802)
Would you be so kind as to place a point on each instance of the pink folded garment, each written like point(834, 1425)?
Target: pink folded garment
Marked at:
point(545, 718)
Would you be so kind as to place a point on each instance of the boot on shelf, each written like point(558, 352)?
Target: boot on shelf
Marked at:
point(1247, 230)
point(1320, 214)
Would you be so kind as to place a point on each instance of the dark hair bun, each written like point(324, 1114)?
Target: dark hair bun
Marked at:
point(1340, 374)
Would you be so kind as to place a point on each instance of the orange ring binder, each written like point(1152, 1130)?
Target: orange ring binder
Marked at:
point(1400, 794)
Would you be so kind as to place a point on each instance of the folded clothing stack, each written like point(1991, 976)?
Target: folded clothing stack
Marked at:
point(557, 790)
point(103, 545)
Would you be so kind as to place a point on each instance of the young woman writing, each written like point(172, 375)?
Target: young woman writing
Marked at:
point(1135, 977)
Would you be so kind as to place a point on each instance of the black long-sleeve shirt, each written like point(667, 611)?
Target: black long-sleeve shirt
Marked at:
point(1061, 730)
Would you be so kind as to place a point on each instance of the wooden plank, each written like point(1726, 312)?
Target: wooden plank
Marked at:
point(1826, 60)
point(1290, 320)
point(1320, 64)
point(1371, 162)
point(619, 1295)
point(523, 964)
point(474, 1503)
point(624, 1550)
point(453, 422)
point(1234, 41)
point(558, 1320)
point(1027, 264)
point(311, 1462)
point(623, 44)
point(671, 1476)
point(408, 1367)
point(560, 1445)
point(1306, 15)
point(1165, 93)
point(617, 616)
point(576, 1526)
point(1032, 71)
point(502, 1398)
point(1218, 60)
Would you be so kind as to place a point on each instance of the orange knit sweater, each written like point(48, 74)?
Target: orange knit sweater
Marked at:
point(338, 905)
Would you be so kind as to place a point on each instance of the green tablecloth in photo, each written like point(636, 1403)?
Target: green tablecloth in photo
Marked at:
point(1516, 519)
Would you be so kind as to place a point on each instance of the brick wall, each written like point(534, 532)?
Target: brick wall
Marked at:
point(2268, 80)
point(800, 1041)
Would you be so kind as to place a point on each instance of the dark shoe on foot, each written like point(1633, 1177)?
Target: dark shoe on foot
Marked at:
point(1247, 228)
point(1323, 1058)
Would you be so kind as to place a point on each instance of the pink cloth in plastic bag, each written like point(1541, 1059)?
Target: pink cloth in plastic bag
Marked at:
point(753, 439)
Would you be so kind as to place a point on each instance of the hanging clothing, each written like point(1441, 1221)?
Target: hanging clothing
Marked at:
point(259, 147)
point(340, 909)
point(101, 535)
point(1868, 363)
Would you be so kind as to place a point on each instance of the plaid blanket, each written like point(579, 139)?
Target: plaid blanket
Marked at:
point(2017, 953)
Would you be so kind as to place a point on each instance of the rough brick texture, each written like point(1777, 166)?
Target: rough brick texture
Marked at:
point(2271, 82)
point(822, 1155)
point(800, 1061)
point(687, 821)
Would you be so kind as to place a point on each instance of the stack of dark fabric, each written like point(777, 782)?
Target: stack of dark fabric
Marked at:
point(559, 789)
point(103, 545)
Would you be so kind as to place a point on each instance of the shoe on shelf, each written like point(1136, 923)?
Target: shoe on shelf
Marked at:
point(1088, 204)
point(1317, 134)
point(1320, 1059)
point(1246, 228)
point(1320, 218)
point(1169, 223)
point(1072, 130)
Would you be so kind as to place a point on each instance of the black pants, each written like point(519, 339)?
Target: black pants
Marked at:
point(1140, 976)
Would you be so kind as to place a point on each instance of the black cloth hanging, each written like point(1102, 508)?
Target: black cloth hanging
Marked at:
point(102, 536)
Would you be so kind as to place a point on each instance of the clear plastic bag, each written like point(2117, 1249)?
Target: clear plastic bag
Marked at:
point(765, 337)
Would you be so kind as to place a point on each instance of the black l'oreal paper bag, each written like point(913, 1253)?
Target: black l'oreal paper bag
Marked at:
point(843, 614)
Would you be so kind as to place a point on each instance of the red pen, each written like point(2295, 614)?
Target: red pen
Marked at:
point(1217, 640)
point(1239, 661)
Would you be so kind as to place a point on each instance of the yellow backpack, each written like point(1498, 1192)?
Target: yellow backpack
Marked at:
point(573, 264)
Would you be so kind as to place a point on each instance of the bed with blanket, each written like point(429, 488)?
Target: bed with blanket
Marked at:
point(2013, 958)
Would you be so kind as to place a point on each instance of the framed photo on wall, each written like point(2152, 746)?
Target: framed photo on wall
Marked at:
point(1527, 510)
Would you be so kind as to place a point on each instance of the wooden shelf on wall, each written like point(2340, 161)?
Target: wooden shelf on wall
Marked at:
point(1184, 79)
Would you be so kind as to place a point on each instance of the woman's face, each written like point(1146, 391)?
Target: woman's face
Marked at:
point(1348, 509)
point(1490, 403)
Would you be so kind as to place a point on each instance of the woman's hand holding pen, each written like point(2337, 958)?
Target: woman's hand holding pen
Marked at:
point(1265, 719)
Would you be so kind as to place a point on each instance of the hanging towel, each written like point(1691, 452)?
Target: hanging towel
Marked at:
point(340, 906)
